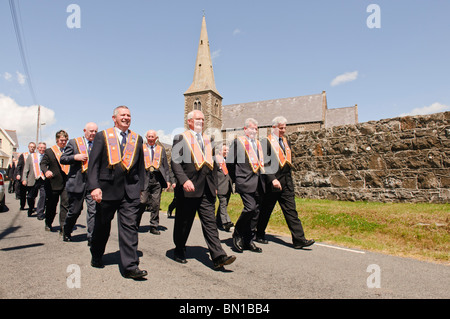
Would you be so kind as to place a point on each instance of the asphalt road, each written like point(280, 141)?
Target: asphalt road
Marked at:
point(36, 264)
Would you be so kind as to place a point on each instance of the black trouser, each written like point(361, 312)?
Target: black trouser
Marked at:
point(53, 198)
point(127, 210)
point(286, 199)
point(222, 217)
point(38, 187)
point(186, 209)
point(151, 197)
point(246, 224)
point(22, 191)
point(75, 207)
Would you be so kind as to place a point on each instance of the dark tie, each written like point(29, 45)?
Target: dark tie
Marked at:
point(282, 144)
point(153, 151)
point(89, 146)
point(199, 139)
point(124, 141)
point(255, 148)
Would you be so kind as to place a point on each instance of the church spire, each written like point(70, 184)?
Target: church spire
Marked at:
point(203, 73)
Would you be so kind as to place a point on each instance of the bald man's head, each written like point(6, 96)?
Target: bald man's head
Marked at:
point(90, 129)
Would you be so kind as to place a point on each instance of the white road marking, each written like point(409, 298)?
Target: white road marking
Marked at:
point(340, 248)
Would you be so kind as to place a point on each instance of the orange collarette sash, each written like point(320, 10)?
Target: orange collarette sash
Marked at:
point(223, 166)
point(148, 158)
point(200, 159)
point(58, 153)
point(113, 149)
point(282, 157)
point(36, 168)
point(255, 163)
point(83, 150)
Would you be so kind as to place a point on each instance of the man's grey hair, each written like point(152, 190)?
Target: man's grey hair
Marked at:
point(278, 120)
point(116, 110)
point(191, 114)
point(250, 121)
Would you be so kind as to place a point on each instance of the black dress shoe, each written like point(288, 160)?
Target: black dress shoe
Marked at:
point(237, 242)
point(304, 243)
point(135, 273)
point(223, 260)
point(67, 237)
point(97, 263)
point(180, 256)
point(252, 247)
point(154, 231)
point(261, 240)
point(227, 226)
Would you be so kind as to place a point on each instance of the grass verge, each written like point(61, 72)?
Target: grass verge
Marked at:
point(419, 230)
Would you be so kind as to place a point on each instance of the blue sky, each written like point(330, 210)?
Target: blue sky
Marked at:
point(142, 54)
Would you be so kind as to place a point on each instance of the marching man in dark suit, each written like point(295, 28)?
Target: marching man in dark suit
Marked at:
point(55, 181)
point(76, 155)
point(245, 164)
point(225, 188)
point(280, 187)
point(196, 190)
point(115, 180)
point(157, 177)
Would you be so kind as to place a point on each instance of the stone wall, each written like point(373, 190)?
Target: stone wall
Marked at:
point(404, 159)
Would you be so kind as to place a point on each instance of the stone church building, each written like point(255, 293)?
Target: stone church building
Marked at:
point(303, 113)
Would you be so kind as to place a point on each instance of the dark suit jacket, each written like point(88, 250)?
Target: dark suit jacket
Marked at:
point(183, 168)
point(273, 169)
point(162, 174)
point(49, 162)
point(20, 166)
point(115, 181)
point(76, 180)
point(225, 184)
point(246, 181)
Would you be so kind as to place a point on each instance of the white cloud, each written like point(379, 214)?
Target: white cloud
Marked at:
point(236, 31)
point(215, 54)
point(7, 76)
point(20, 78)
point(433, 108)
point(23, 120)
point(343, 78)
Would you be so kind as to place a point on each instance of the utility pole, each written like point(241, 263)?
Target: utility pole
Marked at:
point(38, 123)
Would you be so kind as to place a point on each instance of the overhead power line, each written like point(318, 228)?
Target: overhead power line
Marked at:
point(20, 43)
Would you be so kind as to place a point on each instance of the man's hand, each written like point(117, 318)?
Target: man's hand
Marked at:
point(97, 195)
point(276, 184)
point(48, 174)
point(80, 157)
point(188, 186)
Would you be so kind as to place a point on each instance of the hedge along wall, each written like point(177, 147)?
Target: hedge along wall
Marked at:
point(404, 159)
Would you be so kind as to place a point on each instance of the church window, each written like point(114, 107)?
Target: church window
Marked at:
point(197, 105)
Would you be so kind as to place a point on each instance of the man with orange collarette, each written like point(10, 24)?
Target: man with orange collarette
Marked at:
point(280, 186)
point(196, 190)
point(76, 154)
point(115, 181)
point(245, 163)
point(55, 181)
point(157, 177)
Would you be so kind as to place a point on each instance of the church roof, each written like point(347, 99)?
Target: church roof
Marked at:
point(299, 109)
